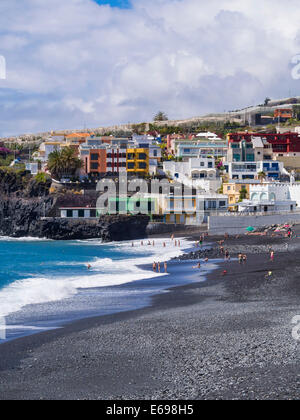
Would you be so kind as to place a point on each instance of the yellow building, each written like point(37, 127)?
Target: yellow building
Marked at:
point(233, 191)
point(138, 161)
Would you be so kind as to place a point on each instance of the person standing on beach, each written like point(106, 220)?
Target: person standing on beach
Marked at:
point(154, 267)
point(158, 267)
point(244, 258)
point(240, 258)
point(166, 267)
point(272, 256)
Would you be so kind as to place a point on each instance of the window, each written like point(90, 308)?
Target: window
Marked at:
point(93, 213)
point(210, 164)
point(201, 163)
point(131, 156)
point(222, 204)
point(109, 164)
point(94, 166)
point(210, 205)
point(131, 165)
point(94, 156)
point(69, 213)
point(155, 153)
point(80, 213)
point(236, 158)
point(142, 156)
point(142, 165)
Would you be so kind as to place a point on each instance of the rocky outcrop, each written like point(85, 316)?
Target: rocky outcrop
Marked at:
point(24, 202)
point(107, 228)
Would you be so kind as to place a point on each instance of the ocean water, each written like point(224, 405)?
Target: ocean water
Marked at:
point(45, 284)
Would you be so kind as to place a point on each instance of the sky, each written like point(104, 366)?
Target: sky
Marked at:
point(77, 63)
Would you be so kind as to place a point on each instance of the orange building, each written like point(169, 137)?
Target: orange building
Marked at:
point(95, 163)
point(285, 113)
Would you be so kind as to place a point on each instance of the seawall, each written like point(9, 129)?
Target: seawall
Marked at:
point(237, 224)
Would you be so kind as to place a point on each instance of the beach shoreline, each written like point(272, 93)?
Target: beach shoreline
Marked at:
point(207, 340)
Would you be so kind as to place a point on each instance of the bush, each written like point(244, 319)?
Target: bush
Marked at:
point(41, 178)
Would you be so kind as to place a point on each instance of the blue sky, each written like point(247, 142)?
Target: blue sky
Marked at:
point(123, 4)
point(73, 63)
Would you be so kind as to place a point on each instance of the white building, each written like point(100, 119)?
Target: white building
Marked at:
point(250, 170)
point(196, 172)
point(148, 142)
point(270, 197)
point(193, 209)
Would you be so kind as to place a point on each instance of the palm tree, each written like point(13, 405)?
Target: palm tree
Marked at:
point(55, 163)
point(261, 176)
point(64, 162)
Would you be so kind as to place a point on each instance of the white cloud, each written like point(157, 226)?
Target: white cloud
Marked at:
point(71, 61)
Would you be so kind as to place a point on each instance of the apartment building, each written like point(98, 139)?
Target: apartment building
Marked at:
point(251, 170)
point(282, 144)
point(251, 150)
point(137, 161)
point(236, 190)
point(193, 209)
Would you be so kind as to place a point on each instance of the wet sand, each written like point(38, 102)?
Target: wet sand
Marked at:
point(227, 338)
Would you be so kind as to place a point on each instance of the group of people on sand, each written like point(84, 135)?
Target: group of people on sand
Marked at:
point(157, 267)
point(242, 258)
point(176, 243)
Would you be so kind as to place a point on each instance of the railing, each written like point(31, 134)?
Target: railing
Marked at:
point(264, 213)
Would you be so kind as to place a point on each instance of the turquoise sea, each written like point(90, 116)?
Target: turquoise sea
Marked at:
point(44, 284)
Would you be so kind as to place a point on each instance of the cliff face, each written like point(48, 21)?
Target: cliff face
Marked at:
point(24, 202)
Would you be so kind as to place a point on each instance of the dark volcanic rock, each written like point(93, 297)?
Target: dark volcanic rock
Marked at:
point(108, 228)
point(21, 217)
point(24, 202)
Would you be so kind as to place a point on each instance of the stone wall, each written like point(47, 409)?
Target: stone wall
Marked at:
point(238, 224)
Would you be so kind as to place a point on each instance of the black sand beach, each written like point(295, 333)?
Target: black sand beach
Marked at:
point(227, 338)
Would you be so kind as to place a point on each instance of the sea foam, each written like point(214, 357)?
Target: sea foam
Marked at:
point(103, 272)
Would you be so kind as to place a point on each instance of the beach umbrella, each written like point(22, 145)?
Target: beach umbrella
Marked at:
point(250, 229)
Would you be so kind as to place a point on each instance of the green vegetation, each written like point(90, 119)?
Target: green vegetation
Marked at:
point(243, 194)
point(64, 163)
point(261, 176)
point(6, 161)
point(160, 116)
point(41, 178)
